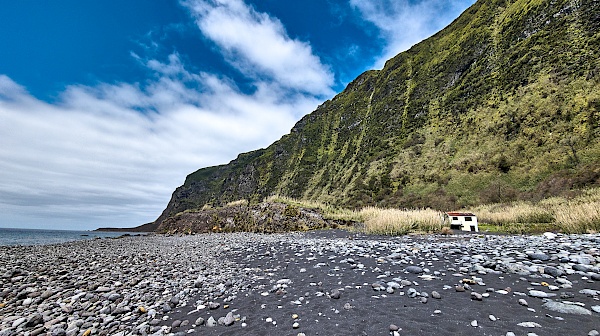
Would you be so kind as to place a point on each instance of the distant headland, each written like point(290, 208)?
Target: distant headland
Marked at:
point(148, 227)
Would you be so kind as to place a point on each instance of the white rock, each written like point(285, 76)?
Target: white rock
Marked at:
point(529, 325)
point(540, 294)
point(18, 322)
point(564, 308)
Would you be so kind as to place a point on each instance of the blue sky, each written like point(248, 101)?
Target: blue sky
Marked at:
point(106, 106)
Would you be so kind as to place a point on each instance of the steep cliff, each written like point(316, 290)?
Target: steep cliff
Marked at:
point(502, 104)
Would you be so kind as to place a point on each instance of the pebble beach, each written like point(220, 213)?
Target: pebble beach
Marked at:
point(327, 282)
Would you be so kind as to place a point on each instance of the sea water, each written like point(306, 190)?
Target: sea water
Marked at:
point(44, 237)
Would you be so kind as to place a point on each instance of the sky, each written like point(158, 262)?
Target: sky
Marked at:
point(106, 106)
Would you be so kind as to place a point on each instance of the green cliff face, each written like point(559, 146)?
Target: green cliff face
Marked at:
point(502, 104)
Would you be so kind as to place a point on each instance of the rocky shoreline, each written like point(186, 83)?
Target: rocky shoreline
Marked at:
point(315, 283)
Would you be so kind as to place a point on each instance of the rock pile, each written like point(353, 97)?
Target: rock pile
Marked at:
point(303, 284)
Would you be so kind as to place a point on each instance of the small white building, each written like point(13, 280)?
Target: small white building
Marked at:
point(464, 221)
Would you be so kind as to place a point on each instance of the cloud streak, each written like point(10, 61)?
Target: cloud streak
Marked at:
point(95, 156)
point(259, 46)
point(403, 23)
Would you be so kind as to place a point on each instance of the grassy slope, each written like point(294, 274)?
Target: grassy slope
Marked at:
point(503, 104)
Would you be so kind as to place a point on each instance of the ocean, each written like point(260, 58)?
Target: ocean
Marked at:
point(44, 237)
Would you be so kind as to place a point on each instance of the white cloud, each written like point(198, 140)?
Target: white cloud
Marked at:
point(111, 155)
point(403, 23)
point(94, 157)
point(259, 46)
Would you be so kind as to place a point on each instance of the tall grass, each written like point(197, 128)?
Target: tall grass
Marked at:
point(580, 214)
point(517, 212)
point(399, 222)
point(242, 202)
point(375, 220)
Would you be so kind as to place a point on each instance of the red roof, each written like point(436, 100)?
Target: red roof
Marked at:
point(460, 214)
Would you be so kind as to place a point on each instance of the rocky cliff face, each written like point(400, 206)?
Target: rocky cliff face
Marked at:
point(264, 217)
point(503, 104)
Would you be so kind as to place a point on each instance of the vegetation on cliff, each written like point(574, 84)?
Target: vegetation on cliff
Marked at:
point(501, 106)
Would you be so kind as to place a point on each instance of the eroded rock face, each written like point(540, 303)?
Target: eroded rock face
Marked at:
point(264, 217)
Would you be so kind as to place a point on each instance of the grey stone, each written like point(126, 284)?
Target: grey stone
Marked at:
point(377, 286)
point(529, 325)
point(589, 292)
point(174, 301)
point(49, 293)
point(114, 297)
point(564, 308)
point(18, 322)
point(38, 331)
point(581, 268)
point(583, 259)
point(553, 271)
point(540, 294)
point(7, 332)
point(335, 294)
point(393, 285)
point(58, 332)
point(567, 295)
point(476, 296)
point(539, 256)
point(413, 269)
point(229, 319)
point(211, 322)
